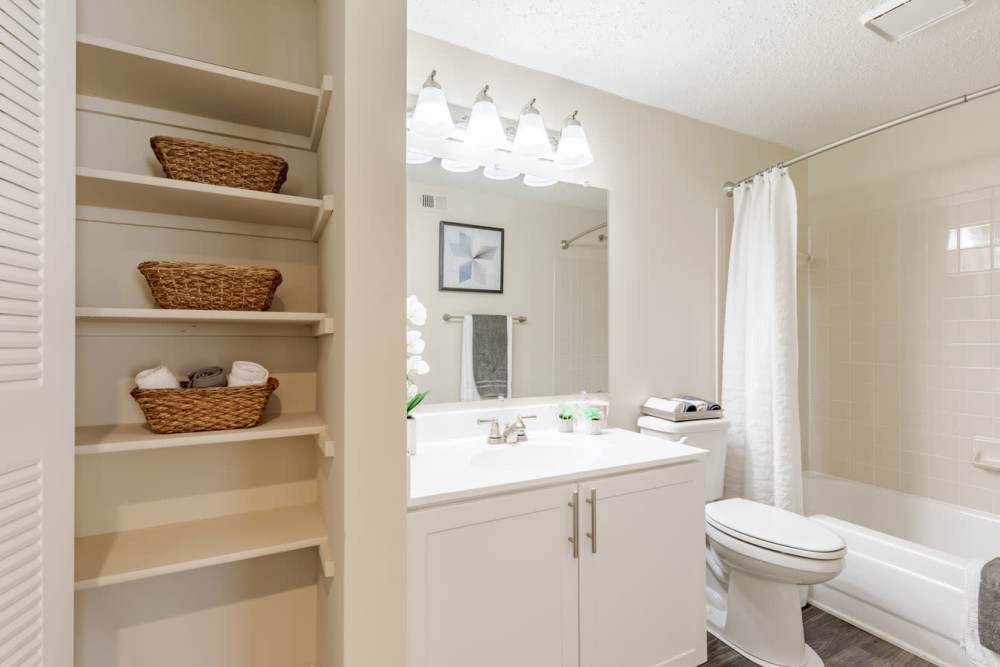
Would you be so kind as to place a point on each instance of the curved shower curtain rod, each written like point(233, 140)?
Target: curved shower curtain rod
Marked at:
point(566, 243)
point(729, 186)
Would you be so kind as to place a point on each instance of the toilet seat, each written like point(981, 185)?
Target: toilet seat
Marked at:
point(774, 529)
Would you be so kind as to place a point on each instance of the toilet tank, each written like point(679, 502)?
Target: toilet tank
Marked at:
point(708, 434)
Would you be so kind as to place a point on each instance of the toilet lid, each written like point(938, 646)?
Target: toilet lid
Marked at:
point(773, 528)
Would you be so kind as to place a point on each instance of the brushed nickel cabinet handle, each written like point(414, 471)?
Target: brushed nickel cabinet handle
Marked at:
point(575, 540)
point(593, 521)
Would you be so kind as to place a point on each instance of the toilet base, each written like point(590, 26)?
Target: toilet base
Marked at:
point(812, 658)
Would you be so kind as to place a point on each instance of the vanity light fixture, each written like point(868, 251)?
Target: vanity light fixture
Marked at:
point(531, 139)
point(431, 116)
point(416, 157)
point(485, 131)
point(538, 181)
point(574, 149)
point(459, 166)
point(495, 172)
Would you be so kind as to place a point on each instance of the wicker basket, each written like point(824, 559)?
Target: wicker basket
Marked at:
point(210, 286)
point(210, 409)
point(197, 161)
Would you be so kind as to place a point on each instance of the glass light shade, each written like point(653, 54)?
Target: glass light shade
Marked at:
point(431, 116)
point(416, 157)
point(495, 172)
point(485, 131)
point(458, 166)
point(531, 139)
point(538, 181)
point(574, 149)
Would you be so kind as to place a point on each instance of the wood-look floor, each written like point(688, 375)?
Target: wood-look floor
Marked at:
point(838, 643)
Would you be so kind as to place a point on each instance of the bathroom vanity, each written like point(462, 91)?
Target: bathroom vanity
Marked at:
point(567, 549)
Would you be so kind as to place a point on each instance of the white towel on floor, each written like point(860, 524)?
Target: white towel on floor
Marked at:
point(159, 377)
point(247, 373)
point(978, 654)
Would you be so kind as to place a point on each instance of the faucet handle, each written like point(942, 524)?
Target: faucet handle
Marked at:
point(518, 425)
point(494, 438)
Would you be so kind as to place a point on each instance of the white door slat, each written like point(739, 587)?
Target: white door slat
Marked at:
point(23, 67)
point(16, 209)
point(20, 357)
point(13, 339)
point(21, 162)
point(19, 129)
point(16, 30)
point(20, 259)
point(30, 120)
point(12, 274)
point(15, 144)
point(19, 17)
point(20, 307)
point(18, 242)
point(30, 11)
point(20, 292)
point(19, 81)
point(19, 97)
point(14, 324)
point(20, 179)
point(19, 194)
point(20, 373)
point(20, 49)
point(20, 227)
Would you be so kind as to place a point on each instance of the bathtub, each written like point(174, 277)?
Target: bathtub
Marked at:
point(906, 562)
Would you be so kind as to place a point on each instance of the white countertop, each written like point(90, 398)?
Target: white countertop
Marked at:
point(452, 470)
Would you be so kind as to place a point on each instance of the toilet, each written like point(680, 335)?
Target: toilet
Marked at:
point(757, 558)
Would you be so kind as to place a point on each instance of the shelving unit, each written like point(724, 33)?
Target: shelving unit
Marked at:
point(143, 84)
point(320, 324)
point(113, 558)
point(151, 194)
point(114, 438)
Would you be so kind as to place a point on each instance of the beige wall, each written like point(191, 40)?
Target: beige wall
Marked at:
point(533, 229)
point(664, 174)
point(905, 361)
point(361, 390)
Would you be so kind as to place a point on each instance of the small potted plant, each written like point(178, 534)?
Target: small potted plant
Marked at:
point(566, 417)
point(592, 420)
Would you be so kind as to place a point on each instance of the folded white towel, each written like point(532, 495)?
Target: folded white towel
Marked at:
point(247, 373)
point(159, 377)
point(657, 407)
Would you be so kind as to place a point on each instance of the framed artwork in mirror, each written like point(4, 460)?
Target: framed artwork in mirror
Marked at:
point(470, 258)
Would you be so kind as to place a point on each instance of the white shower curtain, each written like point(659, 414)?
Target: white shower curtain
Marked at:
point(760, 346)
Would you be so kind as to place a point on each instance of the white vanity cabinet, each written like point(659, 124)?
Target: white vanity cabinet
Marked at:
point(497, 582)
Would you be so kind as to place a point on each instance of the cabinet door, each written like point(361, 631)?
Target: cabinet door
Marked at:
point(642, 569)
point(493, 583)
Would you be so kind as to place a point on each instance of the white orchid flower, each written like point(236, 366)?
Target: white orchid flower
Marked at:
point(415, 365)
point(416, 313)
point(411, 390)
point(415, 343)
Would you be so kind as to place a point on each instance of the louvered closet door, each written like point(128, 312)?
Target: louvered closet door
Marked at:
point(37, 156)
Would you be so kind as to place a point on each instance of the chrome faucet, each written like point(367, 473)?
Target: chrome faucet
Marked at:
point(512, 433)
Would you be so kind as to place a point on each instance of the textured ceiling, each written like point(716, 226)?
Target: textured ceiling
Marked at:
point(798, 72)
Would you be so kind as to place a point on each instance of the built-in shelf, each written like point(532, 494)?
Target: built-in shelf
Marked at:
point(320, 324)
point(140, 83)
point(113, 558)
point(986, 454)
point(135, 192)
point(113, 438)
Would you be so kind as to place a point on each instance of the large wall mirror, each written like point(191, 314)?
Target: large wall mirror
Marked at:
point(515, 283)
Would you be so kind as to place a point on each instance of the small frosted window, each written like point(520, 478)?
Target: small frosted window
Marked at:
point(977, 236)
point(975, 259)
point(952, 239)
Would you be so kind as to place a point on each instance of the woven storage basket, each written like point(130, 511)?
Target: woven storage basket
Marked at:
point(197, 161)
point(210, 409)
point(210, 286)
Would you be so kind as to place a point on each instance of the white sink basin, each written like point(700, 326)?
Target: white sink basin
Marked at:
point(528, 454)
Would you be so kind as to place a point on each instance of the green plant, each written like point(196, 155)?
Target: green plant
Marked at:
point(593, 414)
point(415, 401)
point(566, 413)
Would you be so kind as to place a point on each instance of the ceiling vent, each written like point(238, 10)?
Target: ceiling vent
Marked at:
point(898, 19)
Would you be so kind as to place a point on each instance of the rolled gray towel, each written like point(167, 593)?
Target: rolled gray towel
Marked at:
point(989, 606)
point(709, 405)
point(210, 376)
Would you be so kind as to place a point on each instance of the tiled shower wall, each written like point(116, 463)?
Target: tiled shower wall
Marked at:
point(905, 346)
